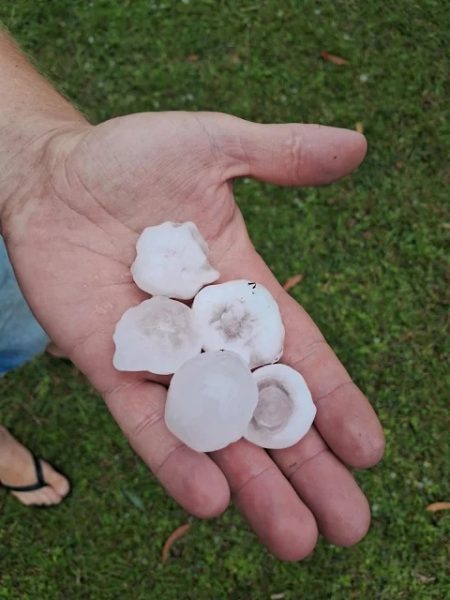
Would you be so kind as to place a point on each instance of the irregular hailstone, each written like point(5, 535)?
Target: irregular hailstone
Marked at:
point(240, 316)
point(158, 335)
point(211, 400)
point(285, 409)
point(172, 260)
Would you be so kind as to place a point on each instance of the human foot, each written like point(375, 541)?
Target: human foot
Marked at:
point(17, 469)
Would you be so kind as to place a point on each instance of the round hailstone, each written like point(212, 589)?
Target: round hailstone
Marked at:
point(240, 316)
point(158, 335)
point(172, 260)
point(285, 409)
point(211, 400)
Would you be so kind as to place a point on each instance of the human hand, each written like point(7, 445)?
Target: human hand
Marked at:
point(71, 231)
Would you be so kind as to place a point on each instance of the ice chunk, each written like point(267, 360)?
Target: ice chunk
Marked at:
point(285, 409)
point(240, 316)
point(211, 400)
point(172, 260)
point(158, 335)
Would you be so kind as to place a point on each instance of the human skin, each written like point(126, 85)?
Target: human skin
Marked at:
point(74, 198)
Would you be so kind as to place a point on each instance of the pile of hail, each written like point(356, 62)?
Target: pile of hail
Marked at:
point(216, 347)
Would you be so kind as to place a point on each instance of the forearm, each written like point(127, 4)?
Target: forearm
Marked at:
point(31, 112)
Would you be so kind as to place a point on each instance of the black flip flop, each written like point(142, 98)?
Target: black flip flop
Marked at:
point(40, 481)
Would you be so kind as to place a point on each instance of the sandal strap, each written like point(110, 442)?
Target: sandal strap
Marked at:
point(40, 481)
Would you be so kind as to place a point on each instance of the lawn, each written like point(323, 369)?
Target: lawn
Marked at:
point(372, 253)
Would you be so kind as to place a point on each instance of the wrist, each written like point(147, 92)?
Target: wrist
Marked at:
point(29, 147)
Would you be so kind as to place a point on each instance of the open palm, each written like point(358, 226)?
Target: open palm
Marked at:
point(72, 242)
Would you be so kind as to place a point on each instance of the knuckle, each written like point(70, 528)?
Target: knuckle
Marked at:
point(294, 155)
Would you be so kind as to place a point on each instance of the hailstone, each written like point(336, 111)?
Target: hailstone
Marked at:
point(211, 400)
point(243, 317)
point(172, 260)
point(285, 410)
point(157, 335)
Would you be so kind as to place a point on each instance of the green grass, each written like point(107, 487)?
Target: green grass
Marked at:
point(371, 249)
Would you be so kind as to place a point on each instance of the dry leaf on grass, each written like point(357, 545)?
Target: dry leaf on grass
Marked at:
point(359, 126)
point(192, 58)
point(173, 537)
point(292, 281)
point(438, 506)
point(332, 58)
point(424, 578)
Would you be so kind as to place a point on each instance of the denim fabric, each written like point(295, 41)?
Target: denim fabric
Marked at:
point(21, 337)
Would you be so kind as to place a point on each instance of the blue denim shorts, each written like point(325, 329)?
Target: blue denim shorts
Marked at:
point(21, 337)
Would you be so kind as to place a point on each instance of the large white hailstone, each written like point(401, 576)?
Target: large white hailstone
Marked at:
point(158, 335)
point(211, 400)
point(240, 316)
point(285, 409)
point(172, 260)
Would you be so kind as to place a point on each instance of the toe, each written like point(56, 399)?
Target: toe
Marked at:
point(23, 497)
point(42, 498)
point(58, 482)
point(51, 496)
point(46, 496)
point(35, 498)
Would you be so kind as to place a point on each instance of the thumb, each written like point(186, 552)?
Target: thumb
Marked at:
point(289, 154)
